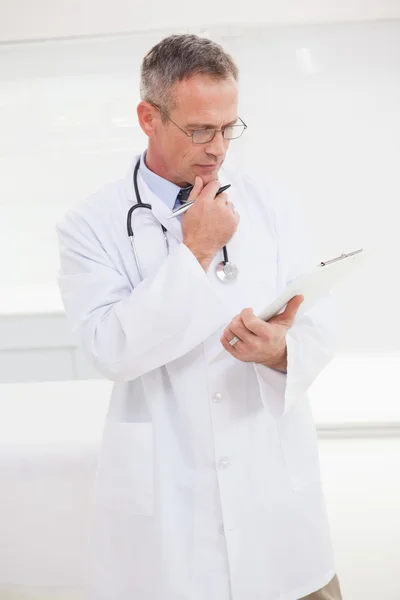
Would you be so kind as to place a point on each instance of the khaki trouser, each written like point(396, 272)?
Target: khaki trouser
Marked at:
point(331, 591)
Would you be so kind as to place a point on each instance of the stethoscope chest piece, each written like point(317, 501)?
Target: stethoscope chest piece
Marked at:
point(227, 271)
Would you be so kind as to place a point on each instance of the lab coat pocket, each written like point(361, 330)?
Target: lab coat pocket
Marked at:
point(299, 445)
point(125, 473)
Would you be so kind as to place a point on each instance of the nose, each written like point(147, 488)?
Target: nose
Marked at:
point(218, 145)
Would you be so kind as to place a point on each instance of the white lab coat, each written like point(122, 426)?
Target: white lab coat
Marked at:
point(208, 483)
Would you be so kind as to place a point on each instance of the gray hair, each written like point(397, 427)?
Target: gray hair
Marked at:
point(179, 57)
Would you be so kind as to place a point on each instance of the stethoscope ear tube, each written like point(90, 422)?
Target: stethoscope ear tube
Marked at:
point(139, 203)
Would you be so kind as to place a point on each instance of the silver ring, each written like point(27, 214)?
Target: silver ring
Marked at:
point(234, 341)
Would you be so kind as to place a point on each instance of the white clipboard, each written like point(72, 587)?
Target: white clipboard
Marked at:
point(313, 285)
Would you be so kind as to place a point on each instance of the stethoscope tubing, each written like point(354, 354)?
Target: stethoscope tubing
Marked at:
point(140, 204)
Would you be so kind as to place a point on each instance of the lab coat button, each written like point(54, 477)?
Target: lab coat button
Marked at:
point(221, 529)
point(217, 397)
point(224, 463)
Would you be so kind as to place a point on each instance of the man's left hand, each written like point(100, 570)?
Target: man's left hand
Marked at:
point(259, 341)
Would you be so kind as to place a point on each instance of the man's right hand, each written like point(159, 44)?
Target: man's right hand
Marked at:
point(210, 223)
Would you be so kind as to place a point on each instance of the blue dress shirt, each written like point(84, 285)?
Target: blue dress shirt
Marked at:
point(162, 188)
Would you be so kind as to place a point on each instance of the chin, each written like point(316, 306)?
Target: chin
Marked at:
point(208, 175)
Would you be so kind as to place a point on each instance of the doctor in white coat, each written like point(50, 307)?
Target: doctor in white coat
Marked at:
point(208, 484)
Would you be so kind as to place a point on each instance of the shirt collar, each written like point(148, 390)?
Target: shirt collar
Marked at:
point(162, 188)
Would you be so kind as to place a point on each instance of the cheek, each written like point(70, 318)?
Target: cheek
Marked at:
point(178, 154)
point(194, 155)
point(182, 150)
point(191, 158)
point(171, 141)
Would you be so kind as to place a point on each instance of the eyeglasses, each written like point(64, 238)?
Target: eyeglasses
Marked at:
point(203, 136)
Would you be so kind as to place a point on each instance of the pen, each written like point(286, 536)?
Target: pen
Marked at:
point(183, 209)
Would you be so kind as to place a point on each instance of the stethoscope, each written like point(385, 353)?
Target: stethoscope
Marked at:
point(225, 270)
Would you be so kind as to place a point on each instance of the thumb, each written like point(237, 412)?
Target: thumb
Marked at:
point(288, 316)
point(197, 189)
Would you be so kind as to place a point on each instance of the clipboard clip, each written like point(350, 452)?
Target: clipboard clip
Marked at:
point(341, 257)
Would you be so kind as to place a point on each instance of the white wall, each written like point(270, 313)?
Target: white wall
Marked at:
point(23, 19)
point(322, 104)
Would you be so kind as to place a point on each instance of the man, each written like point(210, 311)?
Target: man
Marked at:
point(208, 483)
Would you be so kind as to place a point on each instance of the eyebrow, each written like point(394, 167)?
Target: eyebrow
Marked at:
point(209, 125)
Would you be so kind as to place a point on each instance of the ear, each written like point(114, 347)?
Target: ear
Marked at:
point(147, 116)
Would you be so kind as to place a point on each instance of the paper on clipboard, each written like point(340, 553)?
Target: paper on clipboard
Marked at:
point(313, 285)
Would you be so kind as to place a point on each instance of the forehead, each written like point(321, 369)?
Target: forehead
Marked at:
point(206, 100)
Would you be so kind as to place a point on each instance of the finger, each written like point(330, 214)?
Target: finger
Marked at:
point(197, 189)
point(254, 324)
point(237, 328)
point(231, 349)
point(234, 325)
point(288, 316)
point(222, 198)
point(225, 205)
point(224, 201)
point(209, 191)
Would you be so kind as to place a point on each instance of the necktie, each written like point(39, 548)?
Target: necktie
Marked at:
point(184, 194)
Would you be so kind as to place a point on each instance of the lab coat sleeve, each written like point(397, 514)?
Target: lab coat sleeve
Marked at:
point(311, 341)
point(126, 333)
